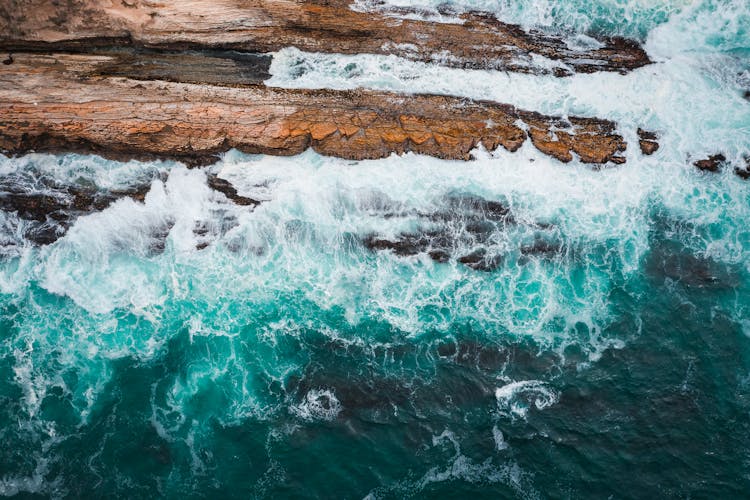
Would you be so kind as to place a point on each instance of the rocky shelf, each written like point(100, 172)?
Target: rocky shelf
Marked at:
point(473, 40)
point(191, 106)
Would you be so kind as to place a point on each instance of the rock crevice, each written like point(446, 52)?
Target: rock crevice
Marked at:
point(78, 102)
point(476, 40)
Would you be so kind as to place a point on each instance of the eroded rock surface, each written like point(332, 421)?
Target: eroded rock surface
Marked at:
point(73, 102)
point(476, 40)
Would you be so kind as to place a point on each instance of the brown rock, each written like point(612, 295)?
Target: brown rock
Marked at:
point(712, 163)
point(648, 147)
point(647, 142)
point(68, 102)
point(476, 41)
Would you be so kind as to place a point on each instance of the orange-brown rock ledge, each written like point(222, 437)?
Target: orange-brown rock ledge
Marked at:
point(70, 102)
point(475, 40)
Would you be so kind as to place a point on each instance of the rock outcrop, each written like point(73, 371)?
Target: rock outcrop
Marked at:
point(648, 142)
point(463, 229)
point(712, 163)
point(109, 104)
point(475, 40)
point(49, 207)
point(744, 171)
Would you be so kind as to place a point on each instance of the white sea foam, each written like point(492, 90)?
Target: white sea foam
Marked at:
point(515, 399)
point(655, 97)
point(632, 18)
point(34, 484)
point(497, 436)
point(462, 468)
point(318, 404)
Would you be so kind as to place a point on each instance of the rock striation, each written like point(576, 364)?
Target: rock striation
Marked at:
point(110, 104)
point(475, 40)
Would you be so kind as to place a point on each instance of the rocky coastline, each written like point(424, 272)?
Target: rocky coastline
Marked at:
point(113, 105)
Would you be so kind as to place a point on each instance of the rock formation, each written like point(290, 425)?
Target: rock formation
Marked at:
point(110, 104)
point(712, 163)
point(647, 142)
point(475, 40)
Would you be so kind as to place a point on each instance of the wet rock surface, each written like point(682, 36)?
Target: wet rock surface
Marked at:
point(744, 170)
point(50, 208)
point(711, 164)
point(45, 209)
point(227, 189)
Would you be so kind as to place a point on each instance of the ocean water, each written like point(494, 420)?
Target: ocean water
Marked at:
point(582, 332)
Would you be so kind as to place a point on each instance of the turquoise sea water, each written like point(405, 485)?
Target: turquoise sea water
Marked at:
point(186, 346)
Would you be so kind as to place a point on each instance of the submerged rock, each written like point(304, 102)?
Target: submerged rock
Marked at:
point(669, 260)
point(479, 260)
point(227, 189)
point(464, 232)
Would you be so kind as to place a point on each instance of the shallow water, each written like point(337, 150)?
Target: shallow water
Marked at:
point(189, 346)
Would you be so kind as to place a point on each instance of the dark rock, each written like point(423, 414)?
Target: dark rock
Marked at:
point(9, 60)
point(45, 233)
point(407, 244)
point(541, 247)
point(712, 163)
point(32, 206)
point(648, 147)
point(479, 260)
point(487, 209)
point(440, 256)
point(225, 187)
point(468, 222)
point(744, 172)
point(51, 208)
point(200, 229)
point(646, 135)
point(159, 237)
